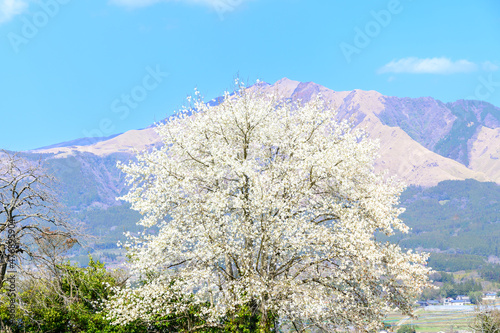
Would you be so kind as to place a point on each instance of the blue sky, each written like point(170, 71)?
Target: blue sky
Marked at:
point(75, 68)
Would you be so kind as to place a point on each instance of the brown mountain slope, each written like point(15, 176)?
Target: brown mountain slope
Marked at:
point(403, 156)
point(399, 154)
point(128, 142)
point(485, 153)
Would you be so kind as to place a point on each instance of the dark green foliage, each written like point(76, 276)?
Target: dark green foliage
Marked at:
point(71, 302)
point(475, 297)
point(247, 319)
point(464, 288)
point(430, 293)
point(455, 262)
point(89, 187)
point(454, 216)
point(110, 224)
point(88, 179)
point(244, 321)
point(442, 277)
point(490, 272)
point(450, 288)
point(68, 303)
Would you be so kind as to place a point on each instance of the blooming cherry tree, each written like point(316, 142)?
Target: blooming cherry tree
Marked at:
point(275, 203)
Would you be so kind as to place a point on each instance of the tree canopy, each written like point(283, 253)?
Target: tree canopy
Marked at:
point(271, 205)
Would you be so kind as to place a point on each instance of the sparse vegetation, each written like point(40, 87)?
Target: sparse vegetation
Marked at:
point(487, 320)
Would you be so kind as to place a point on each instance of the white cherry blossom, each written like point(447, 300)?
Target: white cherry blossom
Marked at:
point(270, 200)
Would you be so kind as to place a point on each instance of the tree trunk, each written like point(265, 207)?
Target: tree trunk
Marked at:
point(264, 323)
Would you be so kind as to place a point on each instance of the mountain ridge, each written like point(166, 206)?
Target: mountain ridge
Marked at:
point(423, 140)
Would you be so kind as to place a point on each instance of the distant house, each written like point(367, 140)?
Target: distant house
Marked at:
point(421, 303)
point(457, 302)
point(489, 297)
point(447, 300)
point(463, 298)
point(432, 302)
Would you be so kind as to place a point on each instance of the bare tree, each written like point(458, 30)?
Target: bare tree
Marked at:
point(487, 320)
point(29, 210)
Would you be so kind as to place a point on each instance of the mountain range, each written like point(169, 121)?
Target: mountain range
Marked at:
point(423, 141)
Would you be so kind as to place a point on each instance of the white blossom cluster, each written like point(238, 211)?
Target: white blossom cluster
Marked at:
point(269, 200)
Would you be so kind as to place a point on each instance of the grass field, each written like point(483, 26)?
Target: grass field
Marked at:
point(442, 321)
point(445, 320)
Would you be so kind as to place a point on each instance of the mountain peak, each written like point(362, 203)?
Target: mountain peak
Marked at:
point(423, 140)
point(286, 80)
point(285, 86)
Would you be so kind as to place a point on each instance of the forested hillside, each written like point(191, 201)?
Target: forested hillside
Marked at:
point(453, 217)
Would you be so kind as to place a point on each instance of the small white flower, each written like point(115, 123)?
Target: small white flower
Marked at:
point(265, 199)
